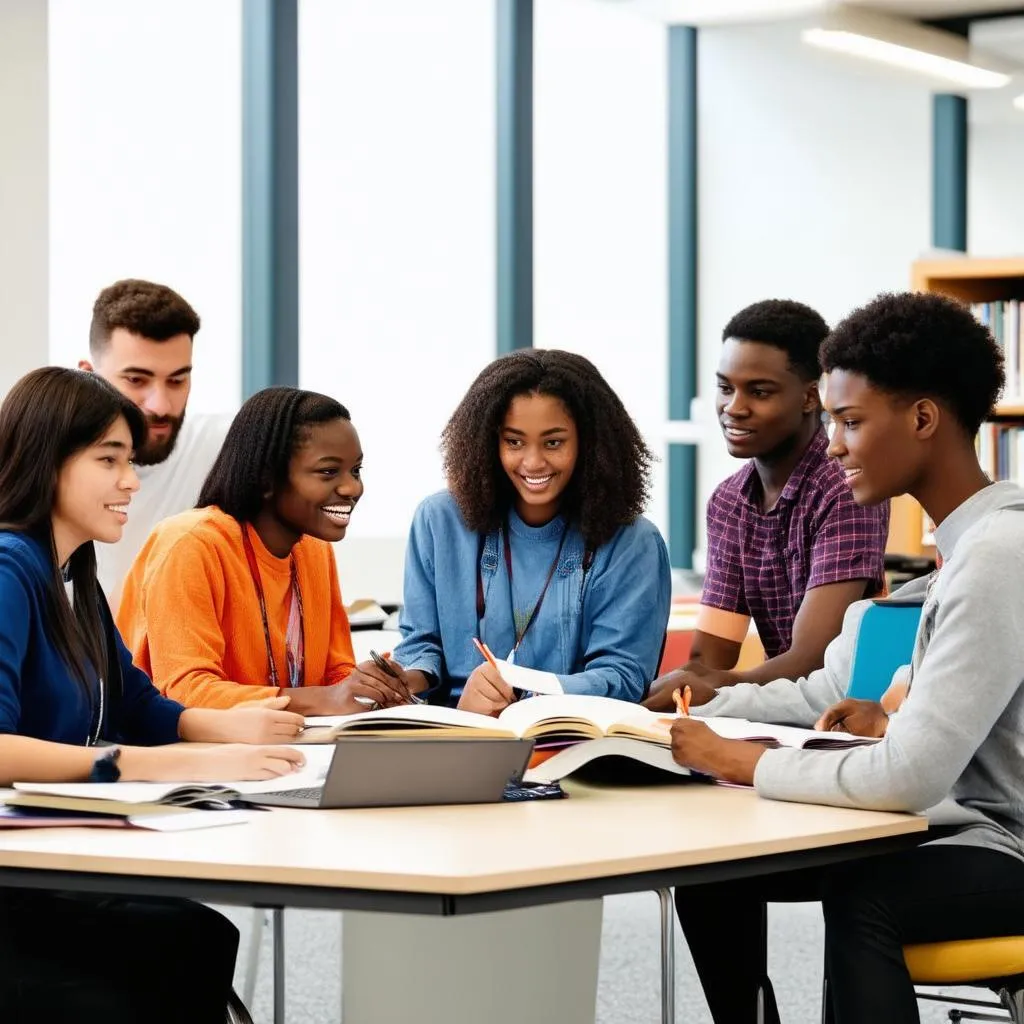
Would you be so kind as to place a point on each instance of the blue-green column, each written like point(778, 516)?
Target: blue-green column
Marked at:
point(270, 194)
point(682, 286)
point(514, 293)
point(949, 172)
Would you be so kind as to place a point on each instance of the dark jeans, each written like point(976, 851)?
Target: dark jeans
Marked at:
point(68, 958)
point(872, 908)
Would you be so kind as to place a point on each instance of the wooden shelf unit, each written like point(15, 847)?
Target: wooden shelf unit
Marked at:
point(968, 280)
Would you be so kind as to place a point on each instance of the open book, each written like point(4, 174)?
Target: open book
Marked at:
point(137, 799)
point(655, 754)
point(558, 720)
point(547, 718)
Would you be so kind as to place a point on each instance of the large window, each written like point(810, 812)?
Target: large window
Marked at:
point(145, 142)
point(397, 227)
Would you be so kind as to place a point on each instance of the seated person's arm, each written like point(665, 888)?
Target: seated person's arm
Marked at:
point(816, 625)
point(717, 652)
point(363, 680)
point(420, 651)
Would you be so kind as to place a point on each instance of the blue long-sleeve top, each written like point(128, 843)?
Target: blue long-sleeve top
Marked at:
point(600, 631)
point(39, 694)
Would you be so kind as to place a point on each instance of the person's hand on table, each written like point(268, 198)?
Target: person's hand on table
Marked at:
point(486, 692)
point(696, 746)
point(857, 717)
point(659, 698)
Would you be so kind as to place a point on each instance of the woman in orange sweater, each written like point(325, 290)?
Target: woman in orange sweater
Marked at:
point(238, 599)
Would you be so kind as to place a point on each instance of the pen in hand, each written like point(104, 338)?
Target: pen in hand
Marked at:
point(485, 652)
point(683, 702)
point(381, 661)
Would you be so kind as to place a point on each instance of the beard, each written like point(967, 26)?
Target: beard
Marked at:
point(156, 450)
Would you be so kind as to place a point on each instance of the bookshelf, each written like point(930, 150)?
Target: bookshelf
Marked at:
point(993, 287)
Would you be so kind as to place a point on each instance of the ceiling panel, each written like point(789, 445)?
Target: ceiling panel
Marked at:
point(720, 12)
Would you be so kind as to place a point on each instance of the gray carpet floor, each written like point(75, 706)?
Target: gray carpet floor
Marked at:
point(629, 979)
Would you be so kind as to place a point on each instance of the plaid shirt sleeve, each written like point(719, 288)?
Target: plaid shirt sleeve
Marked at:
point(849, 542)
point(723, 577)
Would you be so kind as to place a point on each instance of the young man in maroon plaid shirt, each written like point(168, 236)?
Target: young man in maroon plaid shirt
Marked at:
point(787, 545)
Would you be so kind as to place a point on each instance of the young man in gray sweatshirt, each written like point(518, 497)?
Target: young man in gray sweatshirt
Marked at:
point(910, 379)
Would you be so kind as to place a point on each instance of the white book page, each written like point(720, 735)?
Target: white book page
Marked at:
point(787, 735)
point(530, 679)
point(602, 711)
point(426, 713)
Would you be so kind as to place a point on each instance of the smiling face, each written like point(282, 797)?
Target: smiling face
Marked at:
point(157, 377)
point(761, 403)
point(538, 445)
point(881, 440)
point(94, 489)
point(324, 483)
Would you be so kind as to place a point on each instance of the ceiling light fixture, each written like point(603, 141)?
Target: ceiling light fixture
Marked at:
point(912, 47)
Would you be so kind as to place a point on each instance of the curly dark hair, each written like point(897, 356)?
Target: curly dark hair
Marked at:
point(918, 344)
point(795, 328)
point(263, 436)
point(611, 482)
point(142, 307)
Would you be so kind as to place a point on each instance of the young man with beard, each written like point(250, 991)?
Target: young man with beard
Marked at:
point(140, 340)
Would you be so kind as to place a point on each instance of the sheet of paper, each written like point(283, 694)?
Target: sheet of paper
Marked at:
point(529, 679)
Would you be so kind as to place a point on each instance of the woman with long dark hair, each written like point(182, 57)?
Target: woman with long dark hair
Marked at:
point(73, 708)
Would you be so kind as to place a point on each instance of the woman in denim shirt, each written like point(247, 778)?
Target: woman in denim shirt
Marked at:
point(538, 546)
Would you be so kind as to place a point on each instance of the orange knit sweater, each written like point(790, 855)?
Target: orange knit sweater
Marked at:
point(190, 615)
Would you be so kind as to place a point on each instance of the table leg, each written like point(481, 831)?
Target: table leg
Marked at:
point(507, 967)
point(279, 961)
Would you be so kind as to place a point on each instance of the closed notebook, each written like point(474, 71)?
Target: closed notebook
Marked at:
point(37, 810)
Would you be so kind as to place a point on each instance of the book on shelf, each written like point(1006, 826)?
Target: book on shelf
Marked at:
point(1003, 318)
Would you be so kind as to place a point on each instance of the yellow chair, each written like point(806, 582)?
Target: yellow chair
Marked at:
point(997, 964)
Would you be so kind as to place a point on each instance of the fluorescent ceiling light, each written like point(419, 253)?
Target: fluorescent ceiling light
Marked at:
point(1019, 102)
point(906, 45)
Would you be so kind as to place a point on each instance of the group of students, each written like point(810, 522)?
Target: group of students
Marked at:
point(227, 597)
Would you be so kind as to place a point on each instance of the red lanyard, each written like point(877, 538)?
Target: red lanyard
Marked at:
point(295, 643)
point(481, 605)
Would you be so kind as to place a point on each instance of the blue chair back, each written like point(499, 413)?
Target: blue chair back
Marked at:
point(885, 641)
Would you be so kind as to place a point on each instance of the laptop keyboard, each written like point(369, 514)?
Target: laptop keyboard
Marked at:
point(308, 793)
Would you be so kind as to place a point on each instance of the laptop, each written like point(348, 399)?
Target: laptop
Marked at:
point(377, 771)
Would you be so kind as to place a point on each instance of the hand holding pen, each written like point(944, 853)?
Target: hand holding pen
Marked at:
point(485, 691)
point(392, 678)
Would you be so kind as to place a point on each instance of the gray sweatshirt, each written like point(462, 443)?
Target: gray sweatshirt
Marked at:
point(956, 747)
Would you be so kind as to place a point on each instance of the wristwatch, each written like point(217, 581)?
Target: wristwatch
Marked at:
point(104, 768)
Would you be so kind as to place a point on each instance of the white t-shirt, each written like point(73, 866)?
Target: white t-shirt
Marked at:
point(165, 489)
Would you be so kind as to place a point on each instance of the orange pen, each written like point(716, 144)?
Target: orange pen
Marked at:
point(485, 652)
point(683, 702)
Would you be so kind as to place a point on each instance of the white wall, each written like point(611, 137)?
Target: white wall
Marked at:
point(397, 228)
point(145, 165)
point(600, 264)
point(995, 207)
point(23, 188)
point(814, 185)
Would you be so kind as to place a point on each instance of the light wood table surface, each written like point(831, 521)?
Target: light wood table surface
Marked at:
point(458, 851)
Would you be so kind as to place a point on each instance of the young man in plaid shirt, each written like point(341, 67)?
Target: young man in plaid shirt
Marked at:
point(787, 545)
